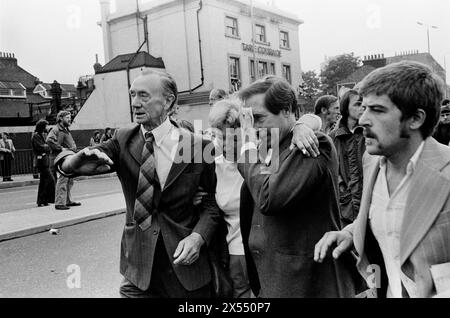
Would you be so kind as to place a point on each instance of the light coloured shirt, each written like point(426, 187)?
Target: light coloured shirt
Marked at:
point(228, 195)
point(167, 137)
point(386, 216)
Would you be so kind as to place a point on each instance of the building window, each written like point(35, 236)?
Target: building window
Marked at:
point(284, 40)
point(252, 71)
point(235, 73)
point(231, 25)
point(287, 73)
point(18, 92)
point(5, 92)
point(260, 31)
point(262, 69)
point(272, 69)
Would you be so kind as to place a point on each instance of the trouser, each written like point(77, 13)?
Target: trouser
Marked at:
point(164, 282)
point(63, 187)
point(6, 166)
point(46, 191)
point(239, 277)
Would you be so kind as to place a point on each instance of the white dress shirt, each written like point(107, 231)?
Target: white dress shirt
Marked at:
point(167, 137)
point(386, 217)
point(228, 194)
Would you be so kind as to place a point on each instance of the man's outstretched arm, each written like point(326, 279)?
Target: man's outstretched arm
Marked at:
point(84, 163)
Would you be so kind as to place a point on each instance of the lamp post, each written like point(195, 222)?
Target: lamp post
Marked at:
point(428, 32)
point(445, 70)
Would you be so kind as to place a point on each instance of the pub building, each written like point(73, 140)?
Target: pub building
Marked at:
point(204, 44)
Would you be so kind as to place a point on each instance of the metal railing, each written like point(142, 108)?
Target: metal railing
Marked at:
point(23, 162)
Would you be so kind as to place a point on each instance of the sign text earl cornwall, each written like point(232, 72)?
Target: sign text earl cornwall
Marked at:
point(261, 50)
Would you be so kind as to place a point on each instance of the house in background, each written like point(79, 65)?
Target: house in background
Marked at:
point(43, 89)
point(108, 104)
point(16, 93)
point(373, 62)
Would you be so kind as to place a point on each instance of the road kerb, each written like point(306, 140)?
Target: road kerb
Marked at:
point(58, 225)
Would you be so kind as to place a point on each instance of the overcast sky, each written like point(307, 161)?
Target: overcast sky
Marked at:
point(58, 39)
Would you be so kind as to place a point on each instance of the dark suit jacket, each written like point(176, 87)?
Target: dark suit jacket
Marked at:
point(425, 232)
point(174, 217)
point(283, 215)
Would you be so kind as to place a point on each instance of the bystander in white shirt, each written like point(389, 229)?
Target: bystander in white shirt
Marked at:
point(386, 218)
point(228, 193)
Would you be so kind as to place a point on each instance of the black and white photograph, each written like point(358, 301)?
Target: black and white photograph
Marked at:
point(224, 154)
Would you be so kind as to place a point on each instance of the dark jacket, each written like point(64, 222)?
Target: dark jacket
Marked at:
point(41, 150)
point(283, 215)
point(350, 148)
point(442, 133)
point(174, 216)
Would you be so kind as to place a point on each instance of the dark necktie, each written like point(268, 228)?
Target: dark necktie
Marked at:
point(143, 206)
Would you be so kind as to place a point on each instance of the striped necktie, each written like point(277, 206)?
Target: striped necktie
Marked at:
point(143, 206)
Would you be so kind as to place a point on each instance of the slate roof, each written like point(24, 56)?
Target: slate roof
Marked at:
point(64, 87)
point(11, 85)
point(17, 74)
point(120, 62)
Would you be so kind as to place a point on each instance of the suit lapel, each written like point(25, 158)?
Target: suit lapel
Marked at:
point(362, 220)
point(429, 191)
point(136, 144)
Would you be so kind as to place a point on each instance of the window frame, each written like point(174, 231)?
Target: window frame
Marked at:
point(255, 70)
point(283, 65)
point(288, 40)
point(234, 18)
point(257, 40)
point(239, 71)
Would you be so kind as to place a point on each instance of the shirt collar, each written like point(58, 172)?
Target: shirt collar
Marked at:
point(160, 132)
point(412, 161)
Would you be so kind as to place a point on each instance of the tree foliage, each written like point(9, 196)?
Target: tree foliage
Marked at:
point(337, 70)
point(310, 89)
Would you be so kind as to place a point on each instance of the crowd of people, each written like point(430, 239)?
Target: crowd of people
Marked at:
point(55, 188)
point(352, 201)
point(272, 204)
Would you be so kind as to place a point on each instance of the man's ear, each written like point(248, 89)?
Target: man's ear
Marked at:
point(169, 101)
point(286, 113)
point(417, 120)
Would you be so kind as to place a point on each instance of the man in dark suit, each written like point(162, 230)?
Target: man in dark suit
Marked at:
point(165, 240)
point(284, 210)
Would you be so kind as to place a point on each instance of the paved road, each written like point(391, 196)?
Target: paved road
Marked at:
point(21, 198)
point(39, 266)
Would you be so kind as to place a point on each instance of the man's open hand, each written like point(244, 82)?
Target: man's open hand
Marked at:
point(87, 162)
point(343, 240)
point(188, 250)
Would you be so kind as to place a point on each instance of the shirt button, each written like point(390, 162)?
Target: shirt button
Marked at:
point(155, 232)
point(256, 252)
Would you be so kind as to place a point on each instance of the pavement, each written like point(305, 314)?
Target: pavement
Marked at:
point(27, 180)
point(37, 220)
